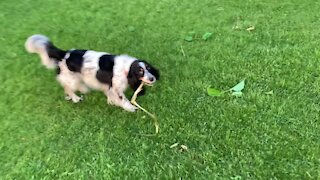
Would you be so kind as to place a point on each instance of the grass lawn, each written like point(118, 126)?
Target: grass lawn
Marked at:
point(256, 136)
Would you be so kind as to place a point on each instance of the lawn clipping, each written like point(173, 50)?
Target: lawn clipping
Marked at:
point(133, 101)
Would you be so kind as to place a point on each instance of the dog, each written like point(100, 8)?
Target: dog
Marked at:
point(84, 70)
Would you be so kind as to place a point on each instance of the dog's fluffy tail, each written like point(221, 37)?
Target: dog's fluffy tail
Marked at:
point(48, 53)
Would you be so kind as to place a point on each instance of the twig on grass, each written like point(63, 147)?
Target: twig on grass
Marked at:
point(183, 53)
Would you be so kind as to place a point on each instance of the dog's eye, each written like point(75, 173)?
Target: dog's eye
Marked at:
point(141, 71)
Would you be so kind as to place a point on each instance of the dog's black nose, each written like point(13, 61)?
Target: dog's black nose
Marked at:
point(151, 79)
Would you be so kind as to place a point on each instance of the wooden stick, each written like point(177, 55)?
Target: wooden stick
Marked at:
point(183, 53)
point(133, 101)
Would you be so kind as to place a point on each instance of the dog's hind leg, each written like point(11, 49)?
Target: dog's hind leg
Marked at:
point(70, 81)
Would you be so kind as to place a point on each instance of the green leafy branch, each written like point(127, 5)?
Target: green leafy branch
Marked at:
point(235, 90)
point(192, 36)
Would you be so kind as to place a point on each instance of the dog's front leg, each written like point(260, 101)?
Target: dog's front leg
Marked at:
point(126, 104)
point(118, 98)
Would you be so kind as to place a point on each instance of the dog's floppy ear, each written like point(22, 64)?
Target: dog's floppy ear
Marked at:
point(133, 80)
point(132, 77)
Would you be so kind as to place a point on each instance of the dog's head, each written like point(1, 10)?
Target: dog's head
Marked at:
point(141, 70)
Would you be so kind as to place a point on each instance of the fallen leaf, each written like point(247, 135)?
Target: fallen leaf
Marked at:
point(214, 92)
point(206, 36)
point(238, 87)
point(269, 93)
point(184, 147)
point(188, 38)
point(174, 145)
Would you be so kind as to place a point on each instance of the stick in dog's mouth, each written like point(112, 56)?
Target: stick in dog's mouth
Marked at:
point(133, 101)
point(148, 83)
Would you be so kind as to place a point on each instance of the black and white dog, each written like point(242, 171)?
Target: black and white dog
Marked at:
point(82, 70)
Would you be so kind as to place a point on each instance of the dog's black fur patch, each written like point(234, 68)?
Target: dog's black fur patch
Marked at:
point(75, 60)
point(133, 77)
point(106, 62)
point(105, 73)
point(54, 52)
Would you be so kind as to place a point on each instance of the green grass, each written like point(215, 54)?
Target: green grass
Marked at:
point(256, 136)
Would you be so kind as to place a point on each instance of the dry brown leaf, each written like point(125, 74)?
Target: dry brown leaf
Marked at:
point(184, 147)
point(251, 28)
point(174, 145)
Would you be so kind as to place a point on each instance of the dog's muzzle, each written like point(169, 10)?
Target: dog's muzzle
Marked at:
point(149, 79)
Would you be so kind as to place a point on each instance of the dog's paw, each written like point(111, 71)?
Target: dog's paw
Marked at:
point(110, 102)
point(129, 107)
point(76, 99)
point(68, 98)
